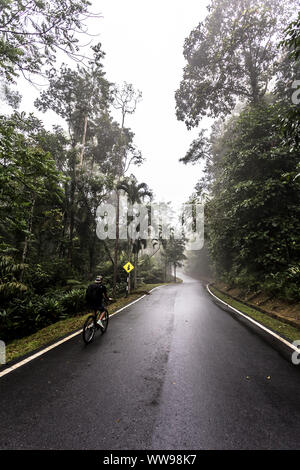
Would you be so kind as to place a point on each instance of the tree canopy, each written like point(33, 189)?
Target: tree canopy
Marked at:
point(230, 55)
point(33, 31)
point(251, 174)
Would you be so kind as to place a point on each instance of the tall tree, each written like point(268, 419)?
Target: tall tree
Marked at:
point(80, 97)
point(125, 100)
point(288, 84)
point(230, 55)
point(174, 252)
point(32, 31)
point(29, 179)
point(252, 217)
point(136, 192)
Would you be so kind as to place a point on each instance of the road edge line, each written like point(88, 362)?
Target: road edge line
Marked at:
point(278, 342)
point(67, 338)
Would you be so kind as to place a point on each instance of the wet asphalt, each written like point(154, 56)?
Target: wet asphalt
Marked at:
point(173, 371)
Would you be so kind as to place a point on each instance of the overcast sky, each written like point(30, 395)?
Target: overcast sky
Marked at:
point(143, 42)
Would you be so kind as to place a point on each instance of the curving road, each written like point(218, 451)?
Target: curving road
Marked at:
point(173, 371)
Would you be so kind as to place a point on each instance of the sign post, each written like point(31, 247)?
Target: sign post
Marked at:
point(128, 267)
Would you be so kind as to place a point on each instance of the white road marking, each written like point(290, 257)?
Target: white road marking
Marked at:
point(287, 343)
point(43, 351)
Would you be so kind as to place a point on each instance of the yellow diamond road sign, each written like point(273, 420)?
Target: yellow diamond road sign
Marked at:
point(128, 267)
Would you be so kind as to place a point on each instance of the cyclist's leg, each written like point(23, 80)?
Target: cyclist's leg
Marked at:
point(102, 310)
point(103, 319)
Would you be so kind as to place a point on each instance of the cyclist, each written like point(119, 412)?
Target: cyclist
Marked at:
point(95, 295)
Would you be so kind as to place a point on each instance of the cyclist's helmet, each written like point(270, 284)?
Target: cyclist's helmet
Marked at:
point(98, 279)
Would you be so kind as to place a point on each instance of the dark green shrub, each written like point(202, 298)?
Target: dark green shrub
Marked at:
point(25, 316)
point(284, 284)
point(74, 301)
point(19, 318)
point(153, 275)
point(38, 278)
point(49, 311)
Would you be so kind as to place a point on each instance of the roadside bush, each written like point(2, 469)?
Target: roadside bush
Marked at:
point(49, 311)
point(38, 278)
point(49, 274)
point(120, 288)
point(25, 316)
point(152, 276)
point(19, 318)
point(74, 301)
point(284, 284)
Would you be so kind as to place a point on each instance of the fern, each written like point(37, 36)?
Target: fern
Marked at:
point(9, 270)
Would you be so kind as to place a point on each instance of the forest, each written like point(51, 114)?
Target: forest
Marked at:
point(53, 181)
point(242, 70)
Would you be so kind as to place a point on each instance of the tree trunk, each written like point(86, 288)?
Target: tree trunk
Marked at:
point(108, 252)
point(92, 253)
point(27, 238)
point(116, 245)
point(71, 233)
point(136, 259)
point(72, 210)
point(83, 140)
point(62, 250)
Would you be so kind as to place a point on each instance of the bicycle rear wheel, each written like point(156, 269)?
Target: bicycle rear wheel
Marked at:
point(89, 329)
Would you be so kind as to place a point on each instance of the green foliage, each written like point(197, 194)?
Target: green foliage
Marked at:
point(28, 176)
point(153, 275)
point(135, 191)
point(17, 319)
point(288, 85)
point(75, 94)
point(32, 31)
point(284, 284)
point(252, 159)
point(23, 316)
point(174, 251)
point(38, 277)
point(26, 315)
point(48, 311)
point(74, 301)
point(292, 39)
point(9, 284)
point(230, 55)
point(51, 182)
point(253, 215)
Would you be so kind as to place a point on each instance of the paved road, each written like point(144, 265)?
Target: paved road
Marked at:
point(170, 373)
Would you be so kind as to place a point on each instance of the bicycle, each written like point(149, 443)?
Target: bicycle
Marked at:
point(92, 324)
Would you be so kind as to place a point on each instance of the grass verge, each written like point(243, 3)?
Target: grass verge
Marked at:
point(283, 329)
point(21, 347)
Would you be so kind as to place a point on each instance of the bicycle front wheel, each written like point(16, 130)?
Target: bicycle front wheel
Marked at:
point(89, 329)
